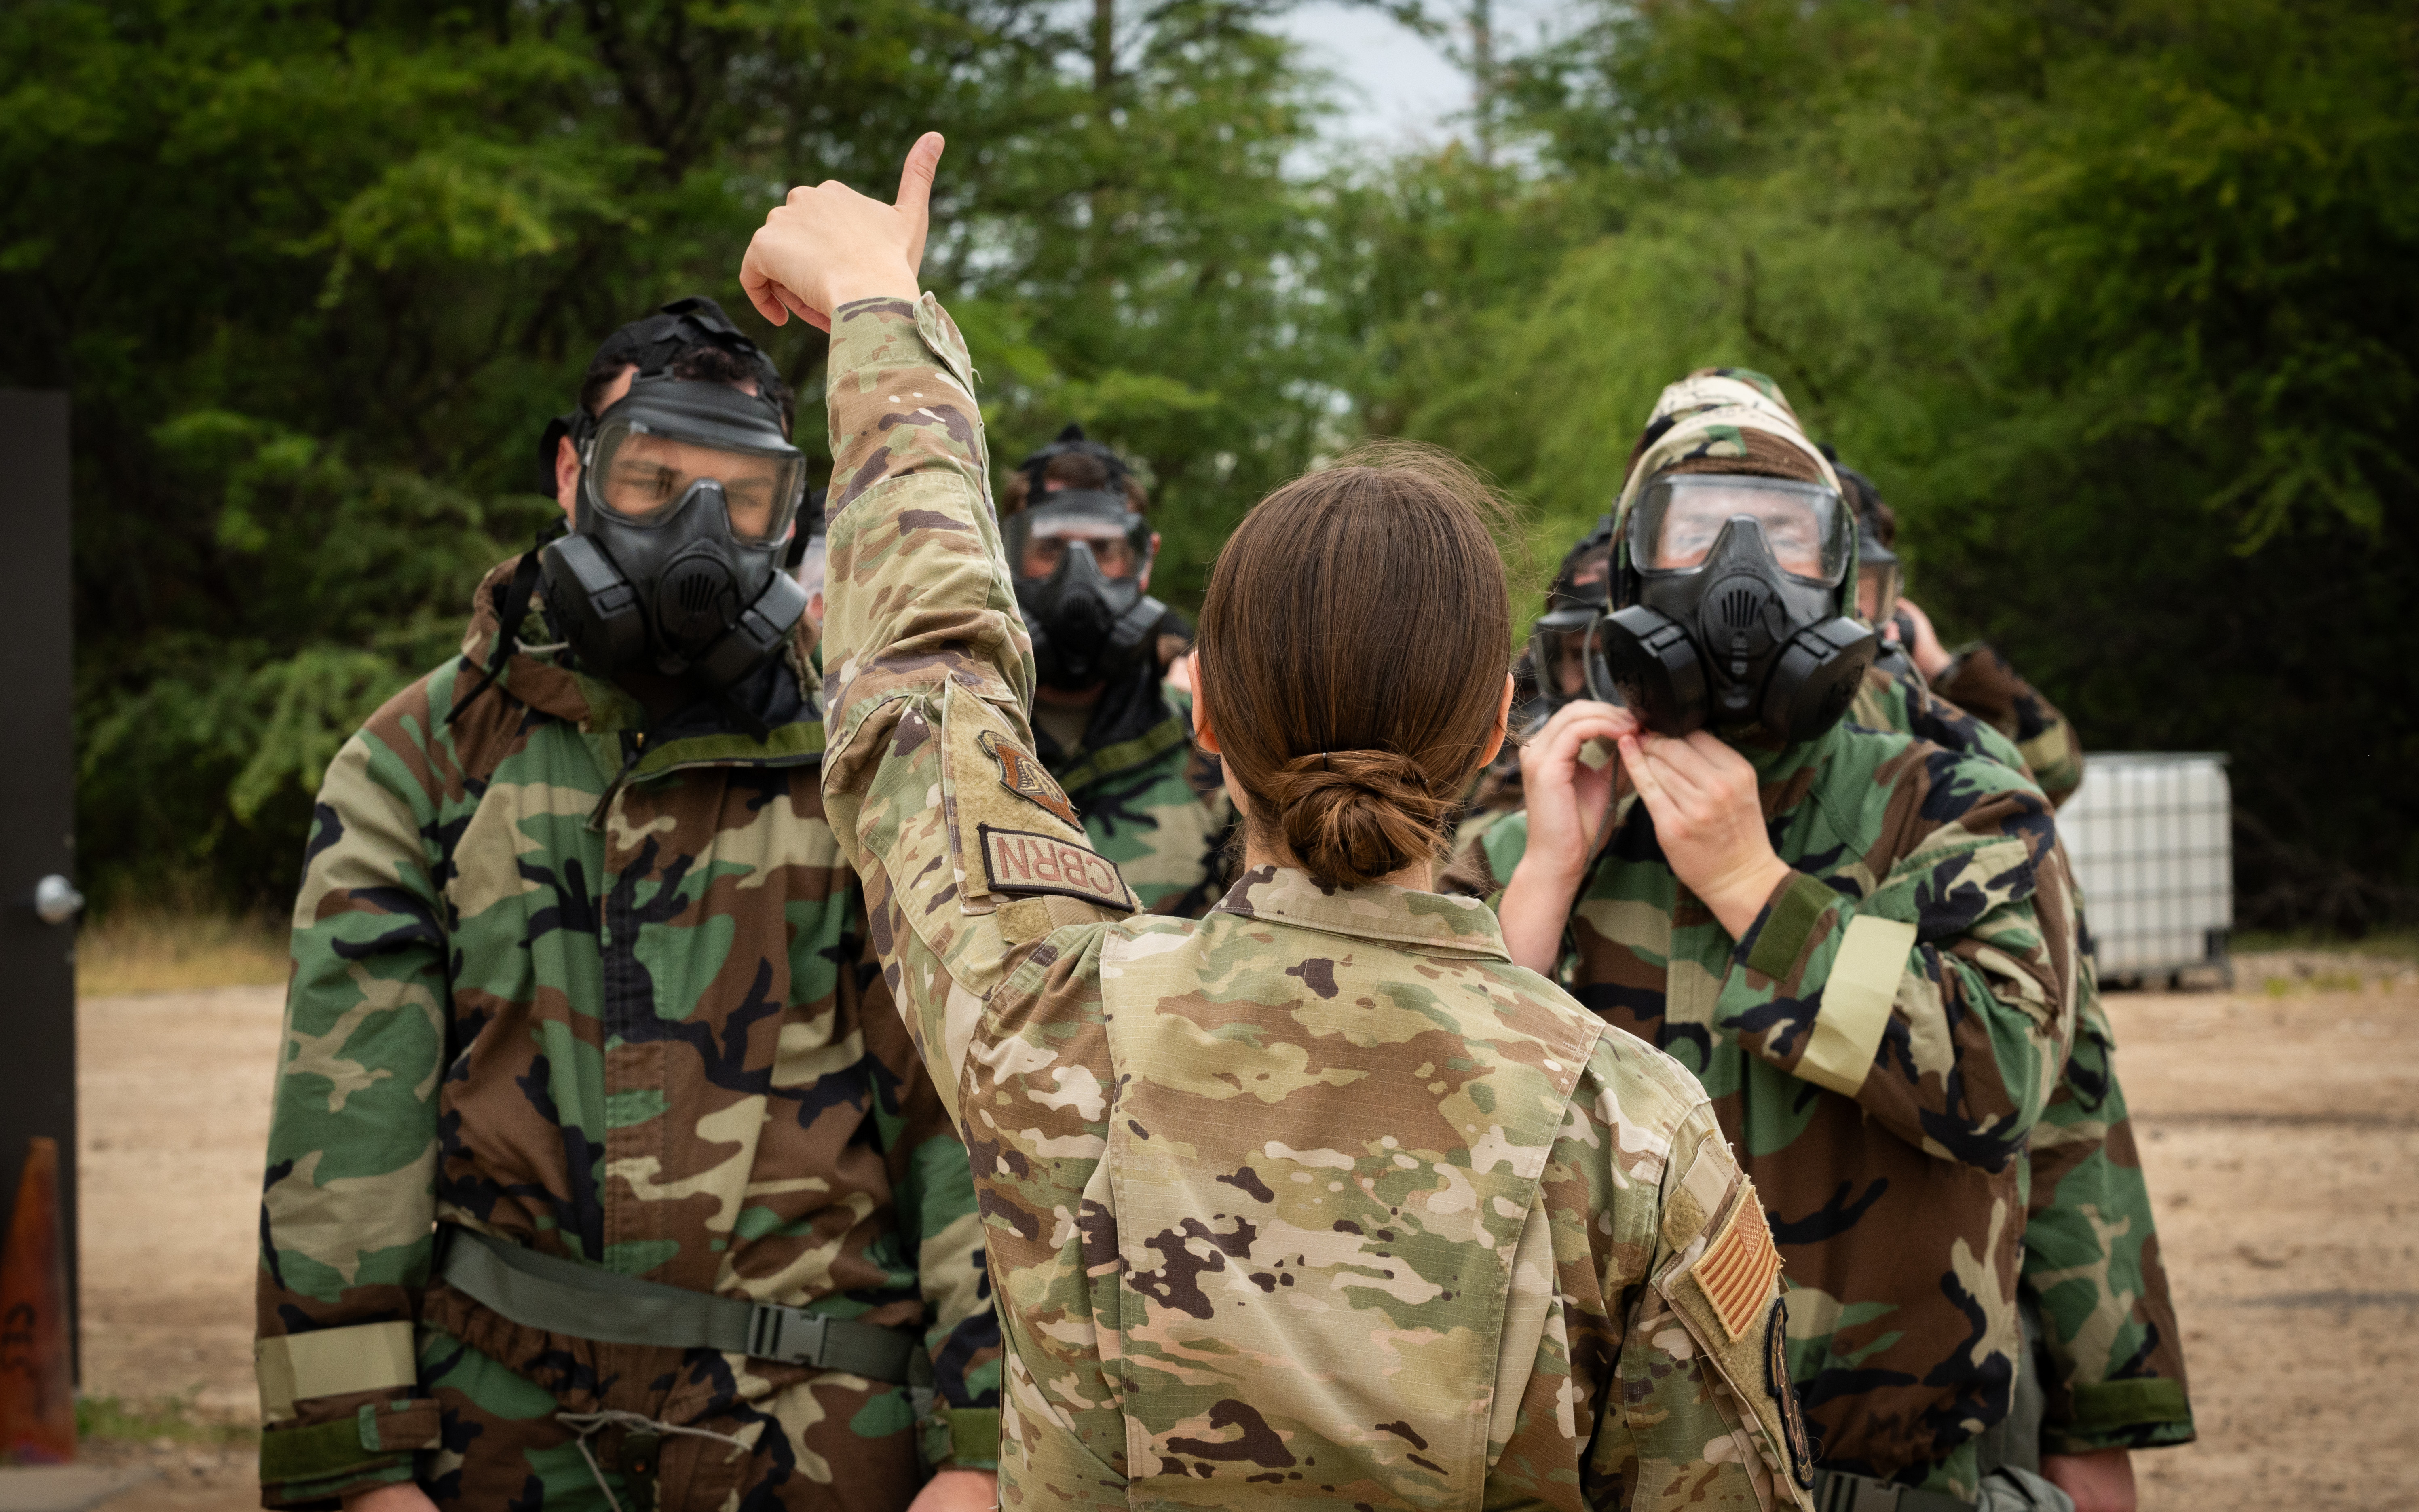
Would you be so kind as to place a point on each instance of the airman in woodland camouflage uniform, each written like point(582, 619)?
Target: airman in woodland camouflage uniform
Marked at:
point(583, 978)
point(1974, 677)
point(2112, 1376)
point(1879, 1040)
point(1317, 1198)
point(1112, 732)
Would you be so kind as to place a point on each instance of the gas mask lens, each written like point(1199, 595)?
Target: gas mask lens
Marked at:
point(1558, 654)
point(1880, 577)
point(637, 474)
point(1679, 521)
point(1878, 586)
point(1038, 537)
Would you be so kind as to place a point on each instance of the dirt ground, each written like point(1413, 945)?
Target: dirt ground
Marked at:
point(2279, 1122)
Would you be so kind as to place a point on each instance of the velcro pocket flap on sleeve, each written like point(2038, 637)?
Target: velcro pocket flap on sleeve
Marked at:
point(1013, 832)
point(1726, 1298)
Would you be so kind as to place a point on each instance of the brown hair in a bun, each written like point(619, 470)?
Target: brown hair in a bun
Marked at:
point(1353, 647)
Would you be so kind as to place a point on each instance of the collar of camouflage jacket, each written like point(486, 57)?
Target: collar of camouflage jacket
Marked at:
point(1432, 921)
point(536, 675)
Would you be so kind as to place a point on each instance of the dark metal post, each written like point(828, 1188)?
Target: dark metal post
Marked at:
point(38, 803)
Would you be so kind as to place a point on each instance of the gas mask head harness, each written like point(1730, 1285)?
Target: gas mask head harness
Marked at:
point(1729, 608)
point(688, 491)
point(1077, 557)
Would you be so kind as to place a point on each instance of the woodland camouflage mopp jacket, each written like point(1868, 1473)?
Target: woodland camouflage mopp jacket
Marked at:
point(603, 990)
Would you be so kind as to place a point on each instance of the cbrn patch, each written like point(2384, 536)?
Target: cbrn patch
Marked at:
point(1018, 861)
point(1023, 774)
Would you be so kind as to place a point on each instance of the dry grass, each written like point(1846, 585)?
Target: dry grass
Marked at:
point(149, 949)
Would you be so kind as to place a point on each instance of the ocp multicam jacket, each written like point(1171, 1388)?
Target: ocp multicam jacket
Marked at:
point(1318, 1199)
point(601, 989)
point(1150, 801)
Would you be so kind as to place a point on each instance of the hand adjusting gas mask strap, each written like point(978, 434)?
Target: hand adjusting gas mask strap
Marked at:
point(1078, 557)
point(1733, 589)
point(688, 491)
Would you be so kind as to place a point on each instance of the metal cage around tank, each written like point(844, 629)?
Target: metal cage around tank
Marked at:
point(2151, 838)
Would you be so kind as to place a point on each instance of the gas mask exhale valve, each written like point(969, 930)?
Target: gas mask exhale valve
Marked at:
point(1731, 624)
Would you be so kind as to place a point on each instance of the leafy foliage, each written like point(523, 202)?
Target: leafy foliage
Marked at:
point(2111, 297)
point(317, 272)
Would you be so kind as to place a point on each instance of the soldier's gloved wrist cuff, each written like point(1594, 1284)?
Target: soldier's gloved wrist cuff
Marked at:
point(302, 1460)
point(961, 1438)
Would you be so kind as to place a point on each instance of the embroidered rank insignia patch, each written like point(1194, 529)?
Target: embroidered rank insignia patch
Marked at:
point(1738, 1269)
point(1017, 861)
point(1023, 774)
point(1775, 1380)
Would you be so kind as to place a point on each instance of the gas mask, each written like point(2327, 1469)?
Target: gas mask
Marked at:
point(1880, 578)
point(1077, 558)
point(1732, 587)
point(1557, 638)
point(687, 494)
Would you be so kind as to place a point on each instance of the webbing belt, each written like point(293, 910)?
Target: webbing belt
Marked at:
point(1836, 1491)
point(583, 1301)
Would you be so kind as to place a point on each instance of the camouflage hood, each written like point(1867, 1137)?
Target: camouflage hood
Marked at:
point(1719, 415)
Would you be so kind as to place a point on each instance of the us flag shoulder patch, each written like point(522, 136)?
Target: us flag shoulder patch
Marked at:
point(1738, 1269)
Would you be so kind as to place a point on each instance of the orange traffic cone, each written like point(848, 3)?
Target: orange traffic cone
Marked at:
point(36, 1371)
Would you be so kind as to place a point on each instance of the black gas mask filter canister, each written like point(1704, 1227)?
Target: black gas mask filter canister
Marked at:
point(1730, 615)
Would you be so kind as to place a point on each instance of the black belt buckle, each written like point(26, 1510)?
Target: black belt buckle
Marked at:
point(790, 1335)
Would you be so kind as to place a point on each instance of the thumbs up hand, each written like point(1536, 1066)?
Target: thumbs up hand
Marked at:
point(826, 246)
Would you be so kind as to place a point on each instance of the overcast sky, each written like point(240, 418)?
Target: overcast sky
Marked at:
point(1398, 88)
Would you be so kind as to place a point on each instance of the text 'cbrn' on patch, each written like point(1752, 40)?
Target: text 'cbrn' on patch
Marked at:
point(1738, 1269)
point(1018, 861)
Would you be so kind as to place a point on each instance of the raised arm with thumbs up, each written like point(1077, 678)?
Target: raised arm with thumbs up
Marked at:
point(829, 245)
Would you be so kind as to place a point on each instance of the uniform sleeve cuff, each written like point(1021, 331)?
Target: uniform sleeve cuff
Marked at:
point(2142, 1413)
point(961, 1438)
point(301, 1464)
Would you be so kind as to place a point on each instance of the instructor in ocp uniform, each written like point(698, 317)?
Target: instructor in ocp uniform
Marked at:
point(602, 1173)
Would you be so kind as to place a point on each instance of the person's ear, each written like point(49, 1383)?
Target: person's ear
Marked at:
point(1503, 724)
point(1203, 736)
point(566, 477)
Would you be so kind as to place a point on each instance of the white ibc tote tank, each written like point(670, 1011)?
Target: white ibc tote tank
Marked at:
point(2151, 839)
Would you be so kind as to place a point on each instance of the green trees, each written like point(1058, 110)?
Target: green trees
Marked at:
point(2113, 297)
point(317, 272)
